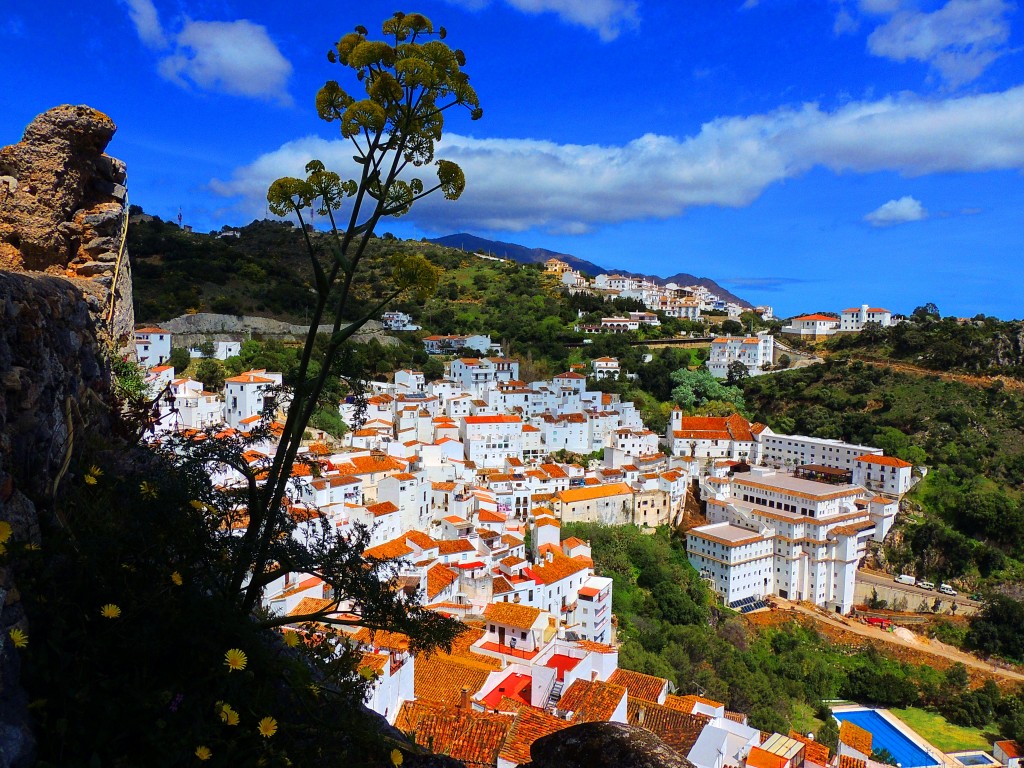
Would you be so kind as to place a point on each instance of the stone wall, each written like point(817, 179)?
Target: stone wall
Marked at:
point(63, 209)
point(194, 329)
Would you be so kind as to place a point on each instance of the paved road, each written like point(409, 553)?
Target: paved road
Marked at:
point(890, 590)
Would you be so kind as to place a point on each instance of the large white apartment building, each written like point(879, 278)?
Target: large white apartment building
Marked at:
point(798, 450)
point(755, 352)
point(816, 533)
point(855, 318)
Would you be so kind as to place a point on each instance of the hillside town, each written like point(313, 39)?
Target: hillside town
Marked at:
point(459, 483)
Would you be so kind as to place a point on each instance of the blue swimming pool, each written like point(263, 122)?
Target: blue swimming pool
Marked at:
point(885, 735)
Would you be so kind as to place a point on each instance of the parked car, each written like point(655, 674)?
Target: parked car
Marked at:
point(925, 585)
point(905, 579)
point(947, 590)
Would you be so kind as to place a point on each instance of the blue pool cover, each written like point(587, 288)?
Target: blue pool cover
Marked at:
point(885, 735)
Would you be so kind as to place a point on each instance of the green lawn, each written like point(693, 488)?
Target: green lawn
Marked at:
point(934, 728)
point(803, 720)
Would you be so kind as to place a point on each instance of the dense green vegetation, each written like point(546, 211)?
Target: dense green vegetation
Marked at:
point(981, 344)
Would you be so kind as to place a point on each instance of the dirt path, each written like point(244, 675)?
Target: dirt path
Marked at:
point(919, 650)
point(1014, 385)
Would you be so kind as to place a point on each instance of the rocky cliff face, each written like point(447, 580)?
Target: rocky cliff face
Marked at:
point(63, 299)
point(63, 209)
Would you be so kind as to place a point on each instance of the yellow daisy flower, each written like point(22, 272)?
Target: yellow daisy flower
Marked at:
point(19, 637)
point(291, 639)
point(110, 611)
point(5, 531)
point(235, 659)
point(89, 480)
point(396, 757)
point(268, 727)
point(176, 578)
point(95, 471)
point(203, 753)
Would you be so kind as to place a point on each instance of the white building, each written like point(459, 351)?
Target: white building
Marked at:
point(855, 318)
point(152, 346)
point(817, 533)
point(398, 321)
point(222, 350)
point(884, 474)
point(812, 326)
point(490, 440)
point(800, 450)
point(755, 352)
point(604, 368)
point(247, 394)
point(188, 406)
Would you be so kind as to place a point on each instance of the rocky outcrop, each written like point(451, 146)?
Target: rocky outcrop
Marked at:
point(603, 745)
point(201, 326)
point(63, 209)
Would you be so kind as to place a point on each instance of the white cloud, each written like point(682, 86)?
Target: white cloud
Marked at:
point(147, 23)
point(897, 212)
point(959, 40)
point(517, 184)
point(606, 17)
point(235, 57)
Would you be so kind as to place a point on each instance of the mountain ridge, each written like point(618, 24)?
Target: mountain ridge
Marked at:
point(525, 255)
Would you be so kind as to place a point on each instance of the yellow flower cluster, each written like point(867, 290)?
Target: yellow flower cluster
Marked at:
point(93, 475)
point(235, 659)
point(228, 716)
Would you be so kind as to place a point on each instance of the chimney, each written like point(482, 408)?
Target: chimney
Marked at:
point(593, 676)
point(464, 700)
point(640, 717)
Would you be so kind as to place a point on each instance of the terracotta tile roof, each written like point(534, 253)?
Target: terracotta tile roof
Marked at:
point(846, 761)
point(1010, 747)
point(854, 736)
point(529, 725)
point(512, 614)
point(591, 700)
point(454, 546)
point(392, 641)
point(500, 586)
point(502, 419)
point(420, 539)
point(760, 758)
point(687, 703)
point(590, 645)
point(677, 729)
point(814, 751)
point(438, 579)
point(639, 685)
point(441, 680)
point(383, 508)
point(560, 567)
point(309, 605)
point(573, 542)
point(375, 662)
point(472, 737)
point(885, 461)
point(389, 550)
point(816, 317)
point(594, 492)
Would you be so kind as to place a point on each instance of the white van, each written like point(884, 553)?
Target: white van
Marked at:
point(925, 585)
point(906, 579)
point(947, 590)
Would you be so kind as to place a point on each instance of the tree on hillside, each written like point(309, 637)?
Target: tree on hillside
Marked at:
point(411, 79)
point(696, 389)
point(735, 373)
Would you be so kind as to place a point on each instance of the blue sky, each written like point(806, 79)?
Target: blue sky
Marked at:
point(810, 154)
